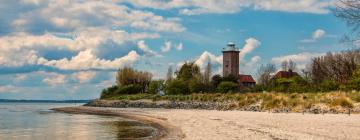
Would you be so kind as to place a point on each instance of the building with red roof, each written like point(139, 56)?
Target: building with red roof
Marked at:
point(285, 74)
point(246, 80)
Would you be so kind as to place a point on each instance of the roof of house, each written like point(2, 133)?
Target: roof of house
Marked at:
point(286, 74)
point(246, 79)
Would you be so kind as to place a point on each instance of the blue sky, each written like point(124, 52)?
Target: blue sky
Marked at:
point(52, 49)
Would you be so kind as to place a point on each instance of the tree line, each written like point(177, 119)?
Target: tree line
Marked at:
point(332, 71)
point(187, 79)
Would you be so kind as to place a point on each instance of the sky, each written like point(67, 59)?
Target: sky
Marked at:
point(71, 49)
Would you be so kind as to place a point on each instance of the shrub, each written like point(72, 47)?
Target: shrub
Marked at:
point(174, 87)
point(226, 87)
point(156, 86)
point(129, 89)
point(195, 86)
point(329, 85)
point(343, 101)
point(108, 91)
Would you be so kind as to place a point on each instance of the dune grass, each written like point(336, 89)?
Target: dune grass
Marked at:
point(269, 100)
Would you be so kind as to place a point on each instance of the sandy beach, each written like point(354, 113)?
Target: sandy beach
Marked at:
point(234, 125)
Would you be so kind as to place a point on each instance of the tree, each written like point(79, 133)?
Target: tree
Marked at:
point(188, 71)
point(337, 67)
point(156, 86)
point(349, 10)
point(176, 86)
point(169, 75)
point(196, 86)
point(355, 80)
point(128, 76)
point(230, 78)
point(287, 65)
point(264, 74)
point(292, 65)
point(207, 73)
point(226, 87)
point(216, 80)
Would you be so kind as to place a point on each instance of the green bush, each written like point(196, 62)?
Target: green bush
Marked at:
point(328, 85)
point(129, 89)
point(174, 87)
point(195, 86)
point(226, 87)
point(156, 86)
point(108, 91)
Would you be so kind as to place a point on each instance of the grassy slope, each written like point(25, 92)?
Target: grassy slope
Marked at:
point(294, 101)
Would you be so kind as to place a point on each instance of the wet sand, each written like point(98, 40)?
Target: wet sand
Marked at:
point(232, 125)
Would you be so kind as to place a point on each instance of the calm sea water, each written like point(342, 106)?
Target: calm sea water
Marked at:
point(34, 121)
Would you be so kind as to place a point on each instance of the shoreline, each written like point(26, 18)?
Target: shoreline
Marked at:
point(191, 124)
point(165, 130)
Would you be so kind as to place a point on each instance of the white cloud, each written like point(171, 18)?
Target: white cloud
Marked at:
point(22, 49)
point(84, 76)
point(179, 47)
point(316, 35)
point(319, 33)
point(295, 6)
point(8, 89)
point(55, 79)
point(251, 66)
point(206, 57)
point(142, 46)
point(20, 77)
point(195, 7)
point(250, 45)
point(301, 59)
point(77, 14)
point(168, 45)
point(87, 60)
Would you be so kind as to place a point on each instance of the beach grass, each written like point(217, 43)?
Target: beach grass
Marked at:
point(267, 100)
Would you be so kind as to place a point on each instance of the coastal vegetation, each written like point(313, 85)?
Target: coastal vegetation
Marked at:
point(330, 72)
point(332, 80)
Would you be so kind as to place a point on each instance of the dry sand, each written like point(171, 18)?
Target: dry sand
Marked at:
point(233, 125)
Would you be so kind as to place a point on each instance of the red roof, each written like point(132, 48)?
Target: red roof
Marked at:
point(246, 79)
point(286, 74)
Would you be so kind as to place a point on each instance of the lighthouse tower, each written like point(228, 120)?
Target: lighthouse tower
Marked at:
point(230, 60)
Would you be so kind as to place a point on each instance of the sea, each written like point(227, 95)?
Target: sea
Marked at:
point(36, 121)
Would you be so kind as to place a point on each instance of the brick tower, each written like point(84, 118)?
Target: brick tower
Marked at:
point(230, 60)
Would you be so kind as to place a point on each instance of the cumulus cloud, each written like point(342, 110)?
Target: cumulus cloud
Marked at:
point(301, 59)
point(195, 7)
point(8, 89)
point(142, 46)
point(55, 79)
point(72, 15)
point(250, 45)
point(206, 57)
point(316, 35)
point(168, 45)
point(86, 60)
point(20, 77)
point(179, 47)
point(23, 49)
point(250, 66)
point(84, 76)
point(319, 33)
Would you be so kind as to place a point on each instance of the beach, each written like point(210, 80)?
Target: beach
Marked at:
point(190, 124)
